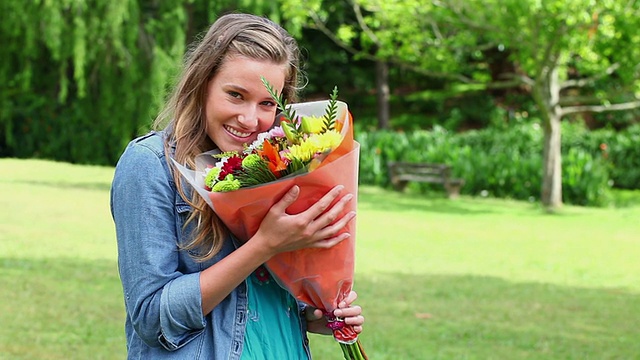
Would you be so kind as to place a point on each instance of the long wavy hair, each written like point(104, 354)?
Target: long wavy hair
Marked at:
point(183, 118)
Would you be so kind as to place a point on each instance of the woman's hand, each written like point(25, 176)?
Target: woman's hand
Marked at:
point(317, 227)
point(351, 314)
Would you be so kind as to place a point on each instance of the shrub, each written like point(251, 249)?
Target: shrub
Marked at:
point(501, 162)
point(623, 151)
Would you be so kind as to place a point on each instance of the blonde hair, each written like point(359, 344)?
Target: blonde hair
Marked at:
point(247, 35)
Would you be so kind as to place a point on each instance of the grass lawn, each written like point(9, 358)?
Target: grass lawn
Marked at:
point(438, 279)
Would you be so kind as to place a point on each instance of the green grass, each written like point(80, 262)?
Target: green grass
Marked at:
point(438, 279)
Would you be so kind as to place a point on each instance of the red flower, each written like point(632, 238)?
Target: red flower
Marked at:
point(232, 165)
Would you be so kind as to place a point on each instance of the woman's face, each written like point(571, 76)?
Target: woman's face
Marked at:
point(238, 106)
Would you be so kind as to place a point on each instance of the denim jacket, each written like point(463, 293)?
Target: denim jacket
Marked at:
point(161, 282)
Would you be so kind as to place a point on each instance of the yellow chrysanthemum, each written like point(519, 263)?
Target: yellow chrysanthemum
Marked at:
point(312, 124)
point(314, 144)
point(303, 152)
point(327, 141)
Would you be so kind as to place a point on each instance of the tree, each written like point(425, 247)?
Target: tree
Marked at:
point(339, 21)
point(571, 56)
point(82, 78)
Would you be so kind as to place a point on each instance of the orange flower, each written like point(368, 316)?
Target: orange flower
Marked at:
point(272, 155)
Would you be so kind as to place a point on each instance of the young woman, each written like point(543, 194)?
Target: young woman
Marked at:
point(191, 291)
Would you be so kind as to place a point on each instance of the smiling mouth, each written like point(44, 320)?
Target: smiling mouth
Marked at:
point(237, 133)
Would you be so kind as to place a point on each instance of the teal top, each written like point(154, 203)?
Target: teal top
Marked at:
point(273, 321)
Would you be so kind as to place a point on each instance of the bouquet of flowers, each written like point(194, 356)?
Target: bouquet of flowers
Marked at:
point(311, 146)
point(296, 146)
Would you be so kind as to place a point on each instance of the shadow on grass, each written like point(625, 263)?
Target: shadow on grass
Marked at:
point(471, 317)
point(61, 309)
point(73, 309)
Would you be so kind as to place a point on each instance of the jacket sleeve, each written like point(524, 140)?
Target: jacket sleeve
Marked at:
point(163, 304)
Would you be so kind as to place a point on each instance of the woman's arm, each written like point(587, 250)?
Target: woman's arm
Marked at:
point(163, 304)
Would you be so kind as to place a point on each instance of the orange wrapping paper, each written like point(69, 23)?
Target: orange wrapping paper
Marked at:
point(318, 277)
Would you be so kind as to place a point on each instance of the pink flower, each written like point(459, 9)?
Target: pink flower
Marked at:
point(276, 132)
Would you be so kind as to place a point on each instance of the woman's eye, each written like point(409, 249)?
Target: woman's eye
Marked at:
point(234, 94)
point(268, 103)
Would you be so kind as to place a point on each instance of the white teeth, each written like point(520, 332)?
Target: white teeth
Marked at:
point(236, 132)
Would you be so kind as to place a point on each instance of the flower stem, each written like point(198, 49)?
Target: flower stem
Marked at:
point(353, 351)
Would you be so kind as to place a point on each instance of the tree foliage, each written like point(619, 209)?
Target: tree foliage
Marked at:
point(83, 77)
point(571, 56)
point(78, 72)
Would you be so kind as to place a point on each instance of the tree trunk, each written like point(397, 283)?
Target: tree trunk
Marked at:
point(190, 33)
point(382, 94)
point(552, 164)
point(551, 196)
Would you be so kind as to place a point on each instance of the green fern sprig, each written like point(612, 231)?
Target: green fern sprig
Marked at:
point(331, 112)
point(257, 174)
point(226, 154)
point(288, 112)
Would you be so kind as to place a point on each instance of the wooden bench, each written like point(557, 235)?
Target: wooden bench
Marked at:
point(400, 173)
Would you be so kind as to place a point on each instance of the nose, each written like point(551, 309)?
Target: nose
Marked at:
point(249, 117)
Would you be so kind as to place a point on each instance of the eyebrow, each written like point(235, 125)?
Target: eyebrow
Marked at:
point(236, 87)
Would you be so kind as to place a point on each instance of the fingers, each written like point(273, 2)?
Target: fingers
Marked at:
point(332, 214)
point(351, 297)
point(325, 224)
point(345, 308)
point(319, 218)
point(317, 208)
point(289, 198)
point(313, 314)
point(352, 316)
point(351, 311)
point(325, 243)
point(328, 234)
point(323, 204)
point(322, 225)
point(356, 322)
